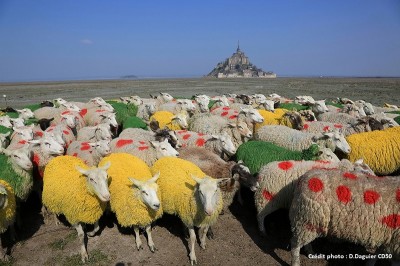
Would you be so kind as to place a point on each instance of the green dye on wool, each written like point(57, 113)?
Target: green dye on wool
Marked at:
point(33, 107)
point(291, 106)
point(123, 111)
point(133, 122)
point(338, 105)
point(4, 130)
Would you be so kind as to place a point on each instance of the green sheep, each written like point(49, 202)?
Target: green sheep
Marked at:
point(124, 111)
point(255, 154)
point(133, 122)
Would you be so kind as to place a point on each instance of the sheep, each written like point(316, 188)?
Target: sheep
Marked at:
point(318, 107)
point(244, 99)
point(202, 102)
point(218, 143)
point(367, 107)
point(359, 208)
point(279, 179)
point(136, 100)
point(46, 103)
point(353, 110)
point(248, 115)
point(169, 120)
point(188, 193)
point(95, 133)
point(214, 166)
point(385, 120)
point(64, 132)
point(7, 212)
point(304, 100)
point(221, 100)
point(178, 106)
point(379, 149)
point(25, 113)
point(145, 111)
point(255, 154)
point(17, 122)
point(4, 140)
point(391, 106)
point(80, 194)
point(16, 170)
point(90, 152)
point(267, 105)
point(49, 112)
point(100, 117)
point(20, 136)
point(148, 151)
point(162, 97)
point(44, 123)
point(296, 140)
point(284, 117)
point(307, 115)
point(5, 121)
point(135, 197)
point(332, 117)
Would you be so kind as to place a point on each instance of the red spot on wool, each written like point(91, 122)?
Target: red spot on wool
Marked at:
point(83, 112)
point(123, 142)
point(22, 142)
point(392, 221)
point(315, 184)
point(267, 195)
point(143, 148)
point(285, 165)
point(398, 195)
point(36, 159)
point(173, 100)
point(200, 142)
point(200, 134)
point(66, 112)
point(306, 126)
point(233, 117)
point(85, 147)
point(186, 136)
point(224, 113)
point(184, 145)
point(38, 133)
point(142, 142)
point(100, 111)
point(344, 194)
point(338, 125)
point(182, 131)
point(349, 176)
point(326, 128)
point(49, 129)
point(338, 110)
point(226, 108)
point(66, 132)
point(371, 197)
point(75, 154)
point(323, 162)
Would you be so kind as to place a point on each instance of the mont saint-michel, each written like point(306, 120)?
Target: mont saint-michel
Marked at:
point(239, 66)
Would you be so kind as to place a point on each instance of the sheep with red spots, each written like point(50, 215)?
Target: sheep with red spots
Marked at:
point(355, 207)
point(94, 133)
point(64, 134)
point(90, 152)
point(278, 181)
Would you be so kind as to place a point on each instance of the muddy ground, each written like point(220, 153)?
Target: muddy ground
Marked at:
point(237, 241)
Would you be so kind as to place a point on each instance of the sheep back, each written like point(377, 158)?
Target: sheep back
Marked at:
point(129, 209)
point(270, 118)
point(133, 122)
point(7, 214)
point(177, 191)
point(164, 119)
point(379, 149)
point(65, 191)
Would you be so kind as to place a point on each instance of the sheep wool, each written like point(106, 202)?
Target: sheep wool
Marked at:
point(4, 130)
point(255, 154)
point(20, 180)
point(177, 191)
point(270, 118)
point(133, 122)
point(124, 201)
point(65, 191)
point(123, 111)
point(7, 214)
point(379, 149)
point(164, 119)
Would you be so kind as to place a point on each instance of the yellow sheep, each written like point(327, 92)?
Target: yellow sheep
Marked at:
point(271, 118)
point(170, 120)
point(379, 149)
point(189, 197)
point(126, 200)
point(7, 211)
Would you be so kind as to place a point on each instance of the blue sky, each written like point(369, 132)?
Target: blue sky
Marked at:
point(47, 40)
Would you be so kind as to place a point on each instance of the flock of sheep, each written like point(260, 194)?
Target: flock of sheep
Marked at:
point(332, 164)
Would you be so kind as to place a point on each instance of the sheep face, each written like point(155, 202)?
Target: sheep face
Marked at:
point(6, 122)
point(136, 100)
point(241, 173)
point(339, 141)
point(181, 120)
point(226, 143)
point(17, 122)
point(354, 110)
point(20, 157)
point(25, 113)
point(98, 100)
point(49, 145)
point(308, 115)
point(109, 119)
point(97, 181)
point(327, 154)
point(23, 133)
point(361, 167)
point(202, 101)
point(163, 149)
point(148, 191)
point(242, 128)
point(268, 105)
point(69, 120)
point(319, 107)
point(259, 98)
point(102, 147)
point(253, 114)
point(186, 105)
point(166, 96)
point(102, 132)
point(368, 109)
point(57, 134)
point(58, 102)
point(71, 107)
point(150, 108)
point(208, 193)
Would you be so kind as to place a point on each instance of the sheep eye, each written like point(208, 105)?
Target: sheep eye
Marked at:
point(164, 149)
point(47, 143)
point(145, 193)
point(16, 156)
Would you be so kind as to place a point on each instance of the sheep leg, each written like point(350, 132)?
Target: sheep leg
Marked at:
point(297, 242)
point(95, 230)
point(81, 235)
point(192, 254)
point(56, 221)
point(202, 235)
point(239, 197)
point(210, 233)
point(137, 238)
point(261, 225)
point(150, 239)
point(3, 253)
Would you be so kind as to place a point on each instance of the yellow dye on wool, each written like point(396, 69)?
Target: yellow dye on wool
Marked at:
point(65, 191)
point(164, 118)
point(125, 203)
point(177, 191)
point(379, 149)
point(7, 214)
point(271, 118)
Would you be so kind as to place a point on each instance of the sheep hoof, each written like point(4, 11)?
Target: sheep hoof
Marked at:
point(153, 249)
point(203, 245)
point(91, 234)
point(210, 234)
point(193, 261)
point(85, 257)
point(5, 258)
point(139, 247)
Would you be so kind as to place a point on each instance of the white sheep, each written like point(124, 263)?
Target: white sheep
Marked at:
point(100, 116)
point(334, 117)
point(5, 121)
point(354, 207)
point(90, 152)
point(297, 141)
point(95, 133)
point(145, 111)
point(178, 106)
point(20, 137)
point(25, 113)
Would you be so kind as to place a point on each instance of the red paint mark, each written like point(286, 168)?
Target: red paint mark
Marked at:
point(326, 128)
point(143, 148)
point(226, 108)
point(200, 142)
point(123, 142)
point(85, 147)
point(233, 117)
point(224, 113)
point(344, 194)
point(267, 195)
point(38, 133)
point(100, 111)
point(306, 126)
point(186, 136)
point(36, 159)
point(285, 165)
point(66, 132)
point(392, 221)
point(22, 142)
point(323, 162)
point(182, 131)
point(315, 184)
point(338, 125)
point(349, 176)
point(83, 112)
point(371, 197)
point(184, 145)
point(200, 134)
point(66, 112)
point(49, 129)
point(398, 195)
point(75, 154)
point(142, 142)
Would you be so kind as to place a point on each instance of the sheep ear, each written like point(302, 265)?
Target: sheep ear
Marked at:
point(6, 152)
point(240, 161)
point(34, 142)
point(215, 137)
point(106, 166)
point(154, 178)
point(135, 182)
point(359, 161)
point(222, 181)
point(81, 170)
point(232, 124)
point(195, 178)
